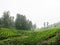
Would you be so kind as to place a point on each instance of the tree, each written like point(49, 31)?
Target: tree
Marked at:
point(22, 23)
point(18, 22)
point(0, 23)
point(6, 19)
point(29, 25)
point(12, 24)
point(34, 27)
point(44, 24)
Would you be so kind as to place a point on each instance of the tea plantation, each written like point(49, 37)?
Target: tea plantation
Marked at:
point(30, 37)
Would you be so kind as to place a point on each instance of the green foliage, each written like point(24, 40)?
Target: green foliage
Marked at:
point(21, 37)
point(6, 20)
point(5, 33)
point(22, 23)
point(57, 40)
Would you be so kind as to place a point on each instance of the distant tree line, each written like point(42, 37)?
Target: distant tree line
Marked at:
point(7, 21)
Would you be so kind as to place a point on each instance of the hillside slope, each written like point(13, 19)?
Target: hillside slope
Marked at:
point(23, 37)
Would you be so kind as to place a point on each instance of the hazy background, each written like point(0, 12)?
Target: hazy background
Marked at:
point(38, 11)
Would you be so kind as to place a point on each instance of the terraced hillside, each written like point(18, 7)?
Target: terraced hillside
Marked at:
point(23, 37)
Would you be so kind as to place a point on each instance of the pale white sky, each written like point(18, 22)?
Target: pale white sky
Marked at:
point(38, 11)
